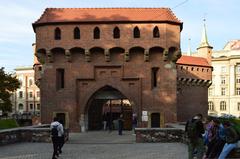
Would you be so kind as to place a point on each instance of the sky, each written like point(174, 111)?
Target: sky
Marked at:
point(16, 33)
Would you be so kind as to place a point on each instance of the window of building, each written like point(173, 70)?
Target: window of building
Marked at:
point(20, 94)
point(223, 80)
point(238, 105)
point(210, 91)
point(60, 78)
point(76, 33)
point(210, 106)
point(38, 106)
point(238, 69)
point(238, 91)
point(57, 34)
point(136, 32)
point(38, 94)
point(116, 33)
point(20, 106)
point(96, 33)
point(30, 94)
point(30, 82)
point(156, 33)
point(238, 79)
point(223, 69)
point(223, 91)
point(223, 105)
point(154, 76)
point(40, 68)
point(31, 106)
point(20, 81)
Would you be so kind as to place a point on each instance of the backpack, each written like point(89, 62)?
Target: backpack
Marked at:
point(192, 130)
point(54, 131)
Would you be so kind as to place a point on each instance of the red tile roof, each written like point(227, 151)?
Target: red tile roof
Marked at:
point(192, 60)
point(63, 15)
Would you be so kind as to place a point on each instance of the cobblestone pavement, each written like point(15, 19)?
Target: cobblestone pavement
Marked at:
point(97, 145)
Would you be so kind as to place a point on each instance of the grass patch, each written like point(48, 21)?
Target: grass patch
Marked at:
point(8, 123)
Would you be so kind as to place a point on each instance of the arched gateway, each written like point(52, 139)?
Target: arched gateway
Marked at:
point(126, 70)
point(107, 104)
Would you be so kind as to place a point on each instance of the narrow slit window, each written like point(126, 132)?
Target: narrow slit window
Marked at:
point(60, 78)
point(57, 34)
point(154, 76)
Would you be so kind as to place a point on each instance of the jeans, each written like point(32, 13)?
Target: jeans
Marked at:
point(197, 145)
point(226, 150)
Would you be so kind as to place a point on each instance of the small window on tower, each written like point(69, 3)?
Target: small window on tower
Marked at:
point(96, 33)
point(156, 33)
point(57, 34)
point(154, 76)
point(60, 78)
point(136, 32)
point(76, 33)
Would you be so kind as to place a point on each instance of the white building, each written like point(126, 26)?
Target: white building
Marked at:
point(27, 97)
point(224, 93)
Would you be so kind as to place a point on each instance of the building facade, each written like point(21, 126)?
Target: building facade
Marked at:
point(27, 97)
point(224, 93)
point(94, 57)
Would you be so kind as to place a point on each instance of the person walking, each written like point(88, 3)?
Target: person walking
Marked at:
point(231, 138)
point(217, 148)
point(134, 122)
point(104, 122)
point(61, 137)
point(56, 132)
point(212, 136)
point(109, 121)
point(120, 124)
point(194, 130)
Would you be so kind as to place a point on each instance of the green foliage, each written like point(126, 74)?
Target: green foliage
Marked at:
point(8, 123)
point(8, 84)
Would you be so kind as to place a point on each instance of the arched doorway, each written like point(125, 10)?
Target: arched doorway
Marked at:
point(108, 103)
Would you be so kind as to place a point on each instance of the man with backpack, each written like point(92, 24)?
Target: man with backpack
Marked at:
point(194, 130)
point(56, 133)
point(231, 138)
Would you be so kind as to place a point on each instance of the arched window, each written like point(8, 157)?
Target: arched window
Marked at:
point(96, 34)
point(116, 33)
point(76, 33)
point(156, 33)
point(210, 106)
point(20, 106)
point(222, 105)
point(57, 34)
point(136, 32)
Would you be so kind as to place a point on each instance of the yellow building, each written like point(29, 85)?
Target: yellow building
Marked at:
point(27, 97)
point(224, 93)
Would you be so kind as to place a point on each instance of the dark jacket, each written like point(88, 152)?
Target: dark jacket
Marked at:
point(199, 126)
point(231, 135)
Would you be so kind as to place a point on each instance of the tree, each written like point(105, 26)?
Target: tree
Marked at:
point(8, 84)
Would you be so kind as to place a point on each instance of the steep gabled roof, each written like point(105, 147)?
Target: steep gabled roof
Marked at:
point(192, 60)
point(66, 15)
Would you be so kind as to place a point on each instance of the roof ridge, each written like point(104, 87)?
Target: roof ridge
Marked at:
point(111, 8)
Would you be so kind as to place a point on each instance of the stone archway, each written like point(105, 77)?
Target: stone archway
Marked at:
point(107, 103)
